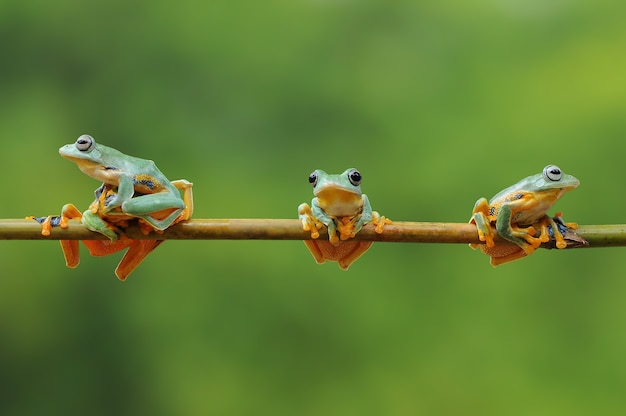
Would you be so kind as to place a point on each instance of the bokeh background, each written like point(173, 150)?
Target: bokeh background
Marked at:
point(436, 103)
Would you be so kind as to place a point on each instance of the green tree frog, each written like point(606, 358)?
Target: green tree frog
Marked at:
point(520, 213)
point(344, 209)
point(142, 190)
point(132, 189)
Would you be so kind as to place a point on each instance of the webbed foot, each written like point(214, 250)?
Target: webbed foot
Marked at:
point(185, 186)
point(379, 221)
point(309, 222)
point(480, 217)
point(68, 212)
point(561, 231)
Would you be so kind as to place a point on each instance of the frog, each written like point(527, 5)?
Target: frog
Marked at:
point(133, 190)
point(142, 192)
point(340, 205)
point(520, 213)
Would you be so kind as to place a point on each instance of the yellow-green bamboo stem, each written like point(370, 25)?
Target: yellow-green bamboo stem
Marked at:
point(291, 229)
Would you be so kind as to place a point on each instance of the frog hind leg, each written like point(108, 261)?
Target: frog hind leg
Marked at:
point(70, 248)
point(46, 223)
point(100, 248)
point(555, 226)
point(146, 206)
point(344, 253)
point(502, 253)
point(159, 221)
point(357, 249)
point(138, 250)
point(315, 250)
point(71, 252)
point(68, 212)
point(558, 217)
point(97, 248)
point(528, 234)
point(185, 186)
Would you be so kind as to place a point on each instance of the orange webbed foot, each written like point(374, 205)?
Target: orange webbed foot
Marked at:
point(379, 221)
point(309, 222)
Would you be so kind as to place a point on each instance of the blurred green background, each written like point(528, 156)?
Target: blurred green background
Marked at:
point(436, 103)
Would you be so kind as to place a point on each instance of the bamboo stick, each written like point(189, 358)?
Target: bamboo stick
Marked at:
point(291, 229)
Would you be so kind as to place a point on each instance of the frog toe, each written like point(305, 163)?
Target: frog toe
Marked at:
point(46, 223)
point(483, 228)
point(526, 237)
point(46, 226)
point(559, 229)
point(558, 218)
point(309, 222)
point(560, 242)
point(531, 241)
point(379, 221)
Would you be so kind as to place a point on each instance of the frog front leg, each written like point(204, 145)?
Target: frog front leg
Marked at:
point(320, 215)
point(159, 210)
point(115, 198)
point(480, 217)
point(362, 218)
point(350, 228)
point(374, 217)
point(94, 222)
point(309, 222)
point(523, 237)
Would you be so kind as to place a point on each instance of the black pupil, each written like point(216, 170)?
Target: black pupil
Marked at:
point(312, 178)
point(355, 177)
point(555, 172)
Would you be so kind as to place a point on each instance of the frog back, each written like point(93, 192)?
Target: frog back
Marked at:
point(147, 178)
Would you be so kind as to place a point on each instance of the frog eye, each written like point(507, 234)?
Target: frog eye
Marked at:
point(313, 179)
point(552, 173)
point(84, 143)
point(355, 177)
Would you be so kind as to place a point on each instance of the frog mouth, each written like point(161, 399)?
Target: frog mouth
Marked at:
point(563, 189)
point(107, 174)
point(338, 201)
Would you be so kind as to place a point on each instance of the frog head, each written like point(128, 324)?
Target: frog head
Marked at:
point(551, 180)
point(98, 161)
point(338, 195)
